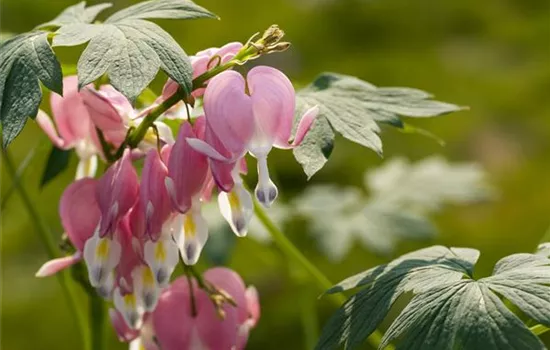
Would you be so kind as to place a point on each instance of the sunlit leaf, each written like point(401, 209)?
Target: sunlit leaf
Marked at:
point(130, 49)
point(355, 108)
point(25, 61)
point(449, 310)
point(78, 13)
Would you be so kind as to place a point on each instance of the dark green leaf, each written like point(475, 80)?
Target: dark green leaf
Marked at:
point(78, 13)
point(58, 160)
point(131, 50)
point(24, 61)
point(354, 108)
point(464, 315)
point(449, 309)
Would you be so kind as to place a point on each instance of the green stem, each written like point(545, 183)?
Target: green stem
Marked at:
point(310, 322)
point(51, 249)
point(539, 329)
point(140, 132)
point(97, 322)
point(299, 259)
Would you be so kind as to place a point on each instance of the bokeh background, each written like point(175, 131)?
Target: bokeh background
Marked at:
point(492, 55)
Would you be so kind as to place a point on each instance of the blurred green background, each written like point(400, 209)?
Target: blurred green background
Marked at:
point(492, 55)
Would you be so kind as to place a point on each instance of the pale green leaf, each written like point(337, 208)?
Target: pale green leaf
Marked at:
point(403, 195)
point(354, 108)
point(129, 49)
point(78, 13)
point(170, 9)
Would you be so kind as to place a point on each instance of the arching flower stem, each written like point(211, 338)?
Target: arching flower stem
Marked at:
point(293, 253)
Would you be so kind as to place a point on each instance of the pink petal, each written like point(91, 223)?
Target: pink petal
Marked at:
point(79, 211)
point(228, 51)
point(70, 114)
point(47, 126)
point(54, 266)
point(253, 305)
point(117, 192)
point(117, 100)
point(169, 89)
point(213, 332)
point(124, 333)
point(228, 111)
point(273, 99)
point(104, 115)
point(131, 256)
point(303, 127)
point(187, 170)
point(232, 283)
point(200, 65)
point(172, 318)
point(153, 193)
point(221, 170)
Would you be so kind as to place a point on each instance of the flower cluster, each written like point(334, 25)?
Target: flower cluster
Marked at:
point(131, 231)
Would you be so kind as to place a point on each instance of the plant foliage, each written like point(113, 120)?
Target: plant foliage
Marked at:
point(127, 47)
point(355, 108)
point(448, 309)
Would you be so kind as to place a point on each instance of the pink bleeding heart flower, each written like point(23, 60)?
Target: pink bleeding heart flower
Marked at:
point(251, 115)
point(186, 181)
point(179, 324)
point(104, 220)
point(113, 114)
point(80, 215)
point(75, 129)
point(160, 250)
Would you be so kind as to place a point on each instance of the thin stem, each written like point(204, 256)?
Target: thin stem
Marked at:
point(140, 132)
point(51, 249)
point(539, 329)
point(97, 322)
point(310, 322)
point(188, 273)
point(299, 259)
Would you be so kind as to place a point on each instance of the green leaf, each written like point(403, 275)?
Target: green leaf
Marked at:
point(130, 49)
point(25, 60)
point(58, 160)
point(403, 194)
point(169, 9)
point(78, 13)
point(449, 309)
point(354, 108)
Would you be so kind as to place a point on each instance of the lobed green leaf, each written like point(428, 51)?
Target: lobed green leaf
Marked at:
point(25, 60)
point(130, 49)
point(450, 310)
point(354, 108)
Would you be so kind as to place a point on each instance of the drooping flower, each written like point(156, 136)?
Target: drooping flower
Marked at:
point(172, 187)
point(186, 318)
point(102, 220)
point(252, 115)
point(75, 129)
point(113, 114)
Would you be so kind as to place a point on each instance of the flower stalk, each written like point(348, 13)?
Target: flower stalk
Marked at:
point(299, 259)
